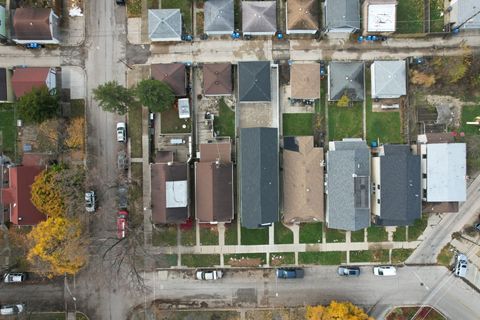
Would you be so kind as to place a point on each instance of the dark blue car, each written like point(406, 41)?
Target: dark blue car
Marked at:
point(290, 273)
point(33, 45)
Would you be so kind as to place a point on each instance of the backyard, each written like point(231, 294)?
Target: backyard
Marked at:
point(345, 122)
point(224, 124)
point(8, 130)
point(410, 16)
point(297, 124)
point(436, 15)
point(185, 7)
point(171, 123)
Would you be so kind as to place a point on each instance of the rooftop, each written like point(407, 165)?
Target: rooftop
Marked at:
point(302, 14)
point(219, 17)
point(33, 24)
point(259, 17)
point(25, 79)
point(172, 74)
point(164, 24)
point(381, 16)
point(389, 79)
point(342, 14)
point(305, 80)
point(217, 78)
point(346, 78)
point(254, 81)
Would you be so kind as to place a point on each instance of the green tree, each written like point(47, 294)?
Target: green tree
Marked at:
point(114, 97)
point(155, 95)
point(38, 105)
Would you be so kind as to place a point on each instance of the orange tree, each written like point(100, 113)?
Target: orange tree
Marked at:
point(46, 194)
point(336, 311)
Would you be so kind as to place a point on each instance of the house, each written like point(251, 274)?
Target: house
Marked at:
point(346, 78)
point(381, 16)
point(254, 81)
point(305, 81)
point(302, 16)
point(348, 185)
point(341, 16)
point(169, 189)
point(3, 23)
point(217, 79)
point(396, 198)
point(302, 180)
point(17, 195)
point(258, 177)
point(40, 25)
point(389, 79)
point(25, 79)
point(6, 91)
point(219, 18)
point(164, 25)
point(214, 183)
point(464, 14)
point(172, 74)
point(259, 17)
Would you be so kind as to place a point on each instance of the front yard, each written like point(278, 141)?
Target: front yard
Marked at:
point(282, 234)
point(297, 124)
point(254, 236)
point(311, 232)
point(345, 122)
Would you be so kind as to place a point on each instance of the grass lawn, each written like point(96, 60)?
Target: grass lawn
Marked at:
point(311, 232)
point(445, 257)
point(334, 235)
point(224, 124)
point(380, 255)
point(344, 122)
point(166, 260)
point(134, 8)
point(472, 137)
point(468, 114)
point(254, 236)
point(199, 23)
point(282, 234)
point(417, 229)
point(357, 236)
point(297, 124)
point(200, 260)
point(188, 237)
point(325, 258)
point(400, 234)
point(282, 258)
point(77, 108)
point(47, 316)
point(185, 7)
point(136, 170)
point(8, 130)
point(400, 255)
point(171, 123)
point(208, 236)
point(377, 234)
point(164, 236)
point(436, 16)
point(152, 4)
point(134, 131)
point(410, 15)
point(245, 256)
point(231, 237)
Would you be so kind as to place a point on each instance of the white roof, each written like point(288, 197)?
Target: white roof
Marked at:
point(446, 172)
point(176, 194)
point(183, 108)
point(381, 17)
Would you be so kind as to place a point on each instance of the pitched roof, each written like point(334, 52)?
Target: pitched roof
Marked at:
point(172, 74)
point(305, 80)
point(389, 79)
point(254, 81)
point(381, 15)
point(348, 185)
point(219, 17)
point(217, 78)
point(3, 30)
point(259, 170)
point(465, 10)
point(346, 78)
point(164, 24)
point(302, 14)
point(302, 180)
point(25, 79)
point(32, 24)
point(3, 84)
point(342, 14)
point(259, 17)
point(400, 187)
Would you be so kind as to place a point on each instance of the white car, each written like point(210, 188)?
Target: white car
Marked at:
point(90, 201)
point(11, 309)
point(461, 263)
point(385, 271)
point(13, 277)
point(209, 274)
point(121, 132)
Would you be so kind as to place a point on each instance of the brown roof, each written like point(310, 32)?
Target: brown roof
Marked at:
point(217, 78)
point(25, 79)
point(302, 14)
point(32, 24)
point(302, 180)
point(210, 152)
point(172, 74)
point(305, 81)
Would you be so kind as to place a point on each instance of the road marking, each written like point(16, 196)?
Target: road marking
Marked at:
point(421, 282)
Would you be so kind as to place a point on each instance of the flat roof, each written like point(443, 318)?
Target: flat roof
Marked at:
point(176, 194)
point(381, 17)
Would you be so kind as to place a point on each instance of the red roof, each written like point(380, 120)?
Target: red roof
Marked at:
point(25, 79)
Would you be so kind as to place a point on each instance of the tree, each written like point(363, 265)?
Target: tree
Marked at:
point(336, 311)
point(155, 95)
point(422, 79)
point(114, 97)
point(46, 194)
point(344, 101)
point(76, 134)
point(38, 105)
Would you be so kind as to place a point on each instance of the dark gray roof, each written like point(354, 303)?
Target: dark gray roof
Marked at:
point(401, 198)
point(348, 185)
point(3, 84)
point(342, 14)
point(346, 78)
point(259, 170)
point(219, 16)
point(254, 81)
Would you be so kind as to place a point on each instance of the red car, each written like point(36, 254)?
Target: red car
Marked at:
point(122, 224)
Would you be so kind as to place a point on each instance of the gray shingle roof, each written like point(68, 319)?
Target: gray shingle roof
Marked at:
point(342, 14)
point(346, 78)
point(259, 170)
point(259, 17)
point(254, 81)
point(401, 198)
point(389, 79)
point(348, 185)
point(164, 24)
point(219, 17)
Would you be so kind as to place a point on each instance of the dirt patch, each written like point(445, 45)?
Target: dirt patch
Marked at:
point(404, 313)
point(244, 262)
point(449, 109)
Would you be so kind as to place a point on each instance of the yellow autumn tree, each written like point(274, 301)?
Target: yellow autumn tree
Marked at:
point(46, 194)
point(336, 311)
point(57, 247)
point(344, 101)
point(75, 134)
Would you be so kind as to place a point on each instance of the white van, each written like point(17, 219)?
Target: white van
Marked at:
point(11, 309)
point(385, 271)
point(461, 263)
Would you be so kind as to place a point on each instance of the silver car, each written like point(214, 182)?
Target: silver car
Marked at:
point(11, 309)
point(90, 201)
point(13, 277)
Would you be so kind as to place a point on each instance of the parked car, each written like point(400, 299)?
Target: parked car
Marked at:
point(11, 309)
point(348, 271)
point(121, 132)
point(461, 263)
point(122, 194)
point(120, 2)
point(90, 201)
point(122, 224)
point(209, 274)
point(289, 273)
point(122, 160)
point(12, 277)
point(477, 226)
point(33, 45)
point(385, 271)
